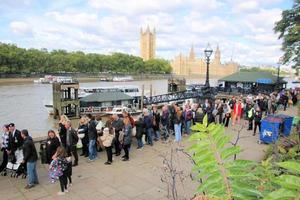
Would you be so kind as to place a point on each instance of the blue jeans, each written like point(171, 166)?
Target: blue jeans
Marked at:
point(92, 149)
point(31, 172)
point(140, 142)
point(188, 126)
point(157, 135)
point(177, 128)
point(149, 132)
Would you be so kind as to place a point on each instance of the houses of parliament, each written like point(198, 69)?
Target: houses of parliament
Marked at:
point(186, 65)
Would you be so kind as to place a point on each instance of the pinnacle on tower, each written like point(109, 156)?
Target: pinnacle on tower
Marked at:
point(148, 29)
point(192, 53)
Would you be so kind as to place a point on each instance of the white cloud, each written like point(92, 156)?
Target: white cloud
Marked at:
point(21, 28)
point(133, 7)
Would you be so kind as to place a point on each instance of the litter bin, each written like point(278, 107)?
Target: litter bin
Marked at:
point(270, 127)
point(287, 124)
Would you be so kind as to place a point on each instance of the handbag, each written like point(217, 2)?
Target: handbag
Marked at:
point(121, 136)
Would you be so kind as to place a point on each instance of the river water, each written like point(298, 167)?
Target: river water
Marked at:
point(23, 104)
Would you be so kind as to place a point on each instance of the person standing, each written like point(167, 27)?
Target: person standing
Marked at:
point(107, 139)
point(165, 122)
point(237, 112)
point(118, 125)
point(140, 130)
point(227, 114)
point(250, 115)
point(17, 140)
point(257, 119)
point(51, 145)
point(71, 142)
point(29, 157)
point(148, 126)
point(187, 116)
point(5, 146)
point(155, 123)
point(62, 131)
point(127, 138)
point(83, 129)
point(92, 133)
point(177, 124)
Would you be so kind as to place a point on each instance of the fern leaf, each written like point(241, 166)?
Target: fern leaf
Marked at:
point(282, 194)
point(231, 151)
point(288, 182)
point(292, 166)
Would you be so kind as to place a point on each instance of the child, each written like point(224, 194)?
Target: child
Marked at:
point(69, 170)
point(58, 169)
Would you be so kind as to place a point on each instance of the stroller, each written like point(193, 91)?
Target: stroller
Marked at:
point(15, 167)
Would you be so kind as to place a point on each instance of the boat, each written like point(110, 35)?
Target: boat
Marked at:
point(106, 79)
point(49, 79)
point(119, 111)
point(130, 90)
point(122, 79)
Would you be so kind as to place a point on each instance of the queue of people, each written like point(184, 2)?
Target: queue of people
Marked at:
point(118, 132)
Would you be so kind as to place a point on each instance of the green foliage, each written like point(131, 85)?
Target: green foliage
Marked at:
point(289, 30)
point(258, 69)
point(19, 60)
point(288, 183)
point(221, 175)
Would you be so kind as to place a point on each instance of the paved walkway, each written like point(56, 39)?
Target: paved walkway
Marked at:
point(137, 179)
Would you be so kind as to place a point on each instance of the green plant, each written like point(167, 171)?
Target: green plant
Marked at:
point(288, 183)
point(223, 177)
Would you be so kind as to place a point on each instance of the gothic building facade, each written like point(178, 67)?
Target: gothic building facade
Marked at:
point(189, 65)
point(147, 43)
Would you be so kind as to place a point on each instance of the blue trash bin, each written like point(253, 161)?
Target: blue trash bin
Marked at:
point(287, 124)
point(269, 131)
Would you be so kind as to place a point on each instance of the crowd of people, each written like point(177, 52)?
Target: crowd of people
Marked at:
point(117, 132)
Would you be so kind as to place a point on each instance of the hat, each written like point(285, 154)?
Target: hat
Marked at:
point(105, 130)
point(11, 125)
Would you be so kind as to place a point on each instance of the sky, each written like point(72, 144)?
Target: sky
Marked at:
point(243, 29)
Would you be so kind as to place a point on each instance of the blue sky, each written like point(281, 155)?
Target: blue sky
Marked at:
point(243, 29)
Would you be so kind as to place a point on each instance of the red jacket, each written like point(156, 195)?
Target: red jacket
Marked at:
point(237, 109)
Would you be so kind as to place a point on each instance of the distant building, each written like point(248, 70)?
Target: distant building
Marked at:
point(188, 65)
point(252, 82)
point(147, 43)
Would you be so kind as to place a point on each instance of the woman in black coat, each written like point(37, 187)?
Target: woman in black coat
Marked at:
point(83, 129)
point(140, 131)
point(51, 145)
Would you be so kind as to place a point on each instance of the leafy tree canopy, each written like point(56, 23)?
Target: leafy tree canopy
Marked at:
point(289, 30)
point(18, 60)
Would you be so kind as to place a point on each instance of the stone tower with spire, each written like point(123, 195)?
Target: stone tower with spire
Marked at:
point(217, 58)
point(147, 43)
point(192, 55)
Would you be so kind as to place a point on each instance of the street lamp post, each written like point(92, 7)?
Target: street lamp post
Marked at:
point(208, 51)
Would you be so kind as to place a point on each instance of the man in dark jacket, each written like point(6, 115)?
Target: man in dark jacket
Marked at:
point(92, 133)
point(118, 125)
point(30, 158)
point(17, 140)
point(71, 141)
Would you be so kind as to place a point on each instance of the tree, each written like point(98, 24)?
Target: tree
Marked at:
point(289, 30)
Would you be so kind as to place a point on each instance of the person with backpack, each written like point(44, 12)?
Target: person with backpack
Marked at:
point(71, 142)
point(58, 169)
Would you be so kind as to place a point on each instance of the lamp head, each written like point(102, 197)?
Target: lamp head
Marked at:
point(208, 51)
